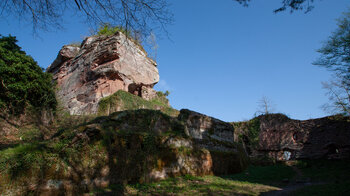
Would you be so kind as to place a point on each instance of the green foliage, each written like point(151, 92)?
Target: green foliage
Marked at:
point(248, 132)
point(127, 101)
point(335, 53)
point(19, 160)
point(22, 81)
point(272, 174)
point(204, 185)
point(144, 121)
point(335, 56)
point(163, 94)
point(107, 29)
point(30, 134)
point(334, 175)
point(325, 170)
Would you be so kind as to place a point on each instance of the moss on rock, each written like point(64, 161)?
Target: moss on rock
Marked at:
point(122, 100)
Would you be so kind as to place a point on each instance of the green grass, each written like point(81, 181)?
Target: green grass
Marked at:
point(271, 175)
point(22, 158)
point(333, 176)
point(127, 101)
point(108, 29)
point(325, 170)
point(333, 189)
point(206, 185)
point(254, 181)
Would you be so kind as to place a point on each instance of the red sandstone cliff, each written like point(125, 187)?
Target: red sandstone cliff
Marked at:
point(98, 68)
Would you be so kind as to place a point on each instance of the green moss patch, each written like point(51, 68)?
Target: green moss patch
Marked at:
point(122, 100)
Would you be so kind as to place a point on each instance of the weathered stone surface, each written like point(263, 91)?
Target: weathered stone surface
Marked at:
point(200, 126)
point(284, 138)
point(217, 137)
point(98, 68)
point(132, 146)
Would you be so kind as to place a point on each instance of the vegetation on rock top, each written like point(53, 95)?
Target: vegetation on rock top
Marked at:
point(122, 100)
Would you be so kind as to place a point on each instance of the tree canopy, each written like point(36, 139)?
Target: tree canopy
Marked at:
point(141, 16)
point(335, 53)
point(335, 56)
point(22, 81)
point(292, 5)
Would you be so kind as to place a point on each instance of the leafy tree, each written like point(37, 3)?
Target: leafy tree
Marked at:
point(22, 81)
point(335, 53)
point(335, 56)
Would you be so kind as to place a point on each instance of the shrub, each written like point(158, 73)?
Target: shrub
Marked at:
point(22, 81)
point(108, 29)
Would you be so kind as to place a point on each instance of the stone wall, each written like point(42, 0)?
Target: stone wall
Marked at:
point(284, 139)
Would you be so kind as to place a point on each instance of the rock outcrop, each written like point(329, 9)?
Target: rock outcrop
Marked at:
point(282, 138)
point(327, 138)
point(218, 138)
point(98, 68)
point(132, 146)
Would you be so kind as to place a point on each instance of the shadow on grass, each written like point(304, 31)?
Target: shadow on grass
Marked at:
point(273, 175)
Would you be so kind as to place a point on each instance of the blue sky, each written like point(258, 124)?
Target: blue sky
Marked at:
point(223, 58)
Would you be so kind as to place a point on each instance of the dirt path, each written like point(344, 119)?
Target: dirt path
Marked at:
point(296, 183)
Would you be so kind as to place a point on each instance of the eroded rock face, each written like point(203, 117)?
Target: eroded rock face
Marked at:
point(284, 139)
point(132, 146)
point(98, 68)
point(200, 126)
point(218, 138)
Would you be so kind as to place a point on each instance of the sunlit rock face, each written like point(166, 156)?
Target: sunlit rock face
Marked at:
point(98, 68)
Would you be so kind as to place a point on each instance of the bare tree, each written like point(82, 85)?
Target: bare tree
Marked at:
point(141, 16)
point(292, 5)
point(265, 106)
point(338, 92)
point(152, 42)
point(335, 56)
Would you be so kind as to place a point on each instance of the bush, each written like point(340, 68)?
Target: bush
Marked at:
point(22, 81)
point(108, 29)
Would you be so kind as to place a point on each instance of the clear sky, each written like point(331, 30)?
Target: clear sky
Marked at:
point(223, 58)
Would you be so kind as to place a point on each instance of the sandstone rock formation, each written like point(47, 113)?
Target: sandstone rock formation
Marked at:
point(218, 137)
point(98, 68)
point(132, 146)
point(327, 138)
point(282, 138)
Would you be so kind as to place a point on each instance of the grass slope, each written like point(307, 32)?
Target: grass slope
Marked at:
point(122, 100)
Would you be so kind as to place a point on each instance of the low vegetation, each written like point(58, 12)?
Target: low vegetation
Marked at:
point(122, 100)
point(108, 29)
point(248, 133)
point(254, 181)
point(206, 185)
